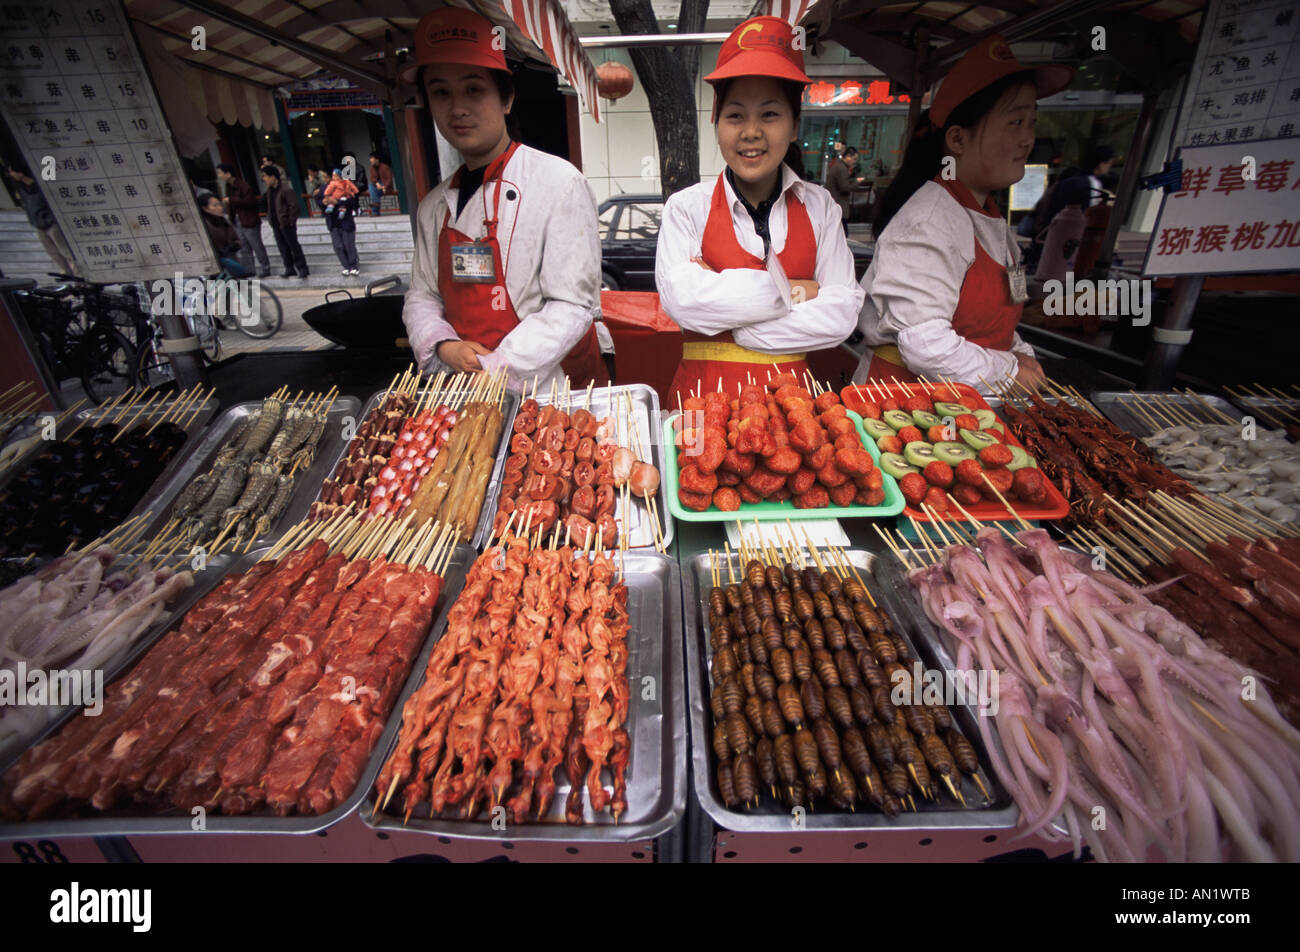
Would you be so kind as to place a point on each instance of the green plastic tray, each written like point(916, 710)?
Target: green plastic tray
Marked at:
point(779, 510)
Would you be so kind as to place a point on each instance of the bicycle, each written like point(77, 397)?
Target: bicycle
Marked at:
point(268, 315)
point(154, 367)
point(78, 337)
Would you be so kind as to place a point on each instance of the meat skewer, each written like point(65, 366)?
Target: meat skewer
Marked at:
point(230, 711)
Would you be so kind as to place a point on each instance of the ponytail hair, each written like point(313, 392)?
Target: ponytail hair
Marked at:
point(923, 158)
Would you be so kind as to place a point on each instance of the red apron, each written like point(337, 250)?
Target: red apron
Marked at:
point(706, 360)
point(985, 314)
point(474, 308)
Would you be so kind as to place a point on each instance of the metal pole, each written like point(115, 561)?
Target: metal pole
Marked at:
point(182, 349)
point(652, 39)
point(1128, 181)
point(920, 83)
point(1169, 339)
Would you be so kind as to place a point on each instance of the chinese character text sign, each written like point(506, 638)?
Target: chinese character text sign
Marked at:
point(1229, 218)
point(75, 91)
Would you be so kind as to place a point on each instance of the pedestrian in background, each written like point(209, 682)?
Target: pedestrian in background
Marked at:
point(224, 236)
point(381, 183)
point(340, 219)
point(41, 217)
point(282, 212)
point(841, 183)
point(242, 202)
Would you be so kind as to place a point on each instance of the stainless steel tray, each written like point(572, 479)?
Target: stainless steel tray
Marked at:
point(205, 580)
point(122, 822)
point(656, 779)
point(199, 461)
point(645, 420)
point(1000, 814)
point(1266, 410)
point(195, 423)
point(484, 528)
point(936, 648)
point(1127, 412)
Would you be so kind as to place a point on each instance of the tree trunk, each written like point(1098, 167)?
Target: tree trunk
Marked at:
point(668, 76)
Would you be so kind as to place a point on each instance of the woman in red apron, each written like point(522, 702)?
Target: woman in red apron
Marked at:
point(945, 289)
point(507, 260)
point(754, 266)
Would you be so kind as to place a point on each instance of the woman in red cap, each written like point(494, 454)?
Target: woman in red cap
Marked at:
point(754, 267)
point(507, 253)
point(945, 288)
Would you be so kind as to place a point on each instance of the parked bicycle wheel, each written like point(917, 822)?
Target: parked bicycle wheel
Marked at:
point(270, 315)
point(209, 334)
point(108, 363)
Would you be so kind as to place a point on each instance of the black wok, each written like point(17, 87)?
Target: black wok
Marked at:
point(373, 322)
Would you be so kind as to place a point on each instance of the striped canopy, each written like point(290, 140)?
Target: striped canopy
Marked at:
point(240, 66)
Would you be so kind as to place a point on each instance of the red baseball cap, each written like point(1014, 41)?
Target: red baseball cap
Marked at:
point(452, 35)
point(981, 67)
point(761, 46)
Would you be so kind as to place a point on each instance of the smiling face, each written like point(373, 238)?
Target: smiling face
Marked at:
point(466, 107)
point(992, 154)
point(755, 127)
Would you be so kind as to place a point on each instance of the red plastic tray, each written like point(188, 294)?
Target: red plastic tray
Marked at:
point(1056, 507)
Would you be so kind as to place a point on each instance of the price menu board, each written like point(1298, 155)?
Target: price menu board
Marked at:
point(78, 100)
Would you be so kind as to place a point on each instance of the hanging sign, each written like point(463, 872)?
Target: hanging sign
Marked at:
point(80, 105)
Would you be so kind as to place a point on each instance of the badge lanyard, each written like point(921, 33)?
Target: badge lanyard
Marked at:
point(473, 262)
point(1015, 273)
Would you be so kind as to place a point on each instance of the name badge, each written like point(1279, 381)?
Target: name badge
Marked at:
point(472, 263)
point(1019, 286)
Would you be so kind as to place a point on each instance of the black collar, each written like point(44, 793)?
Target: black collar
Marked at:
point(760, 215)
point(764, 207)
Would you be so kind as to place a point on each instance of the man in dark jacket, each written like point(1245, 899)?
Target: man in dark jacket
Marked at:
point(841, 183)
point(282, 212)
point(241, 200)
point(381, 182)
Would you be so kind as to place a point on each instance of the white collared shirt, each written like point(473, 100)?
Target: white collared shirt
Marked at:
point(550, 252)
point(749, 302)
point(914, 283)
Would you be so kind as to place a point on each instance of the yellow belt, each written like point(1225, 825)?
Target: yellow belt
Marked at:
point(732, 353)
point(888, 352)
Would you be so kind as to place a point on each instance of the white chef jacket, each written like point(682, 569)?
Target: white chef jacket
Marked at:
point(550, 251)
point(746, 301)
point(914, 282)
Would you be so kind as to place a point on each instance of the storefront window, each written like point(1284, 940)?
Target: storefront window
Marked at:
point(876, 137)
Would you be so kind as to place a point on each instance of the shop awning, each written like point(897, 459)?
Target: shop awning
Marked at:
point(887, 33)
point(252, 47)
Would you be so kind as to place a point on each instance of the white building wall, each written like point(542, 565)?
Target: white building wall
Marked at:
point(620, 154)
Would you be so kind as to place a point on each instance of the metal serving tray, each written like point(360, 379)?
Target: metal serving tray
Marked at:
point(195, 424)
point(656, 778)
point(306, 482)
point(205, 580)
point(484, 528)
point(645, 420)
point(126, 820)
point(1126, 411)
point(1000, 814)
point(936, 649)
point(1267, 409)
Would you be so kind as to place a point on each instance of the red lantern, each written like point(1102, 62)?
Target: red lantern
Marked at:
point(613, 80)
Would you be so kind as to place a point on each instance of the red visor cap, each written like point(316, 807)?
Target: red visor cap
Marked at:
point(761, 46)
point(457, 36)
point(981, 67)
